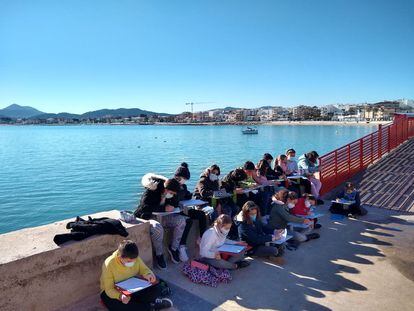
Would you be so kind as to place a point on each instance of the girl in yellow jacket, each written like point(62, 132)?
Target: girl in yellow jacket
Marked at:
point(123, 264)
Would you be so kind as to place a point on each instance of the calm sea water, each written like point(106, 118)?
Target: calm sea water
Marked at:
point(53, 173)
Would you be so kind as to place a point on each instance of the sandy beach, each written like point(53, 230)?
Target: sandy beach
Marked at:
point(359, 123)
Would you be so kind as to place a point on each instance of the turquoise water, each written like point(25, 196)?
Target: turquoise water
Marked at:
point(53, 173)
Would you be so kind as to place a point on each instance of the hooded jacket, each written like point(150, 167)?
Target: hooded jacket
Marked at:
point(205, 187)
point(305, 164)
point(151, 199)
point(280, 216)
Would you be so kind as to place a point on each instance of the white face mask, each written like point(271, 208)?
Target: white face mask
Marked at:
point(169, 195)
point(213, 177)
point(129, 264)
point(291, 158)
point(307, 204)
point(182, 181)
point(291, 205)
point(225, 231)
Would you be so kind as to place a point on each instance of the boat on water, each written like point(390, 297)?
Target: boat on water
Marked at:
point(250, 130)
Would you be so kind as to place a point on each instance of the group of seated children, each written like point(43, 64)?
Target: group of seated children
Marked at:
point(273, 189)
point(260, 206)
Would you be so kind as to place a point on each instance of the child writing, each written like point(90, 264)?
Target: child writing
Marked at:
point(215, 237)
point(252, 231)
point(123, 264)
point(349, 194)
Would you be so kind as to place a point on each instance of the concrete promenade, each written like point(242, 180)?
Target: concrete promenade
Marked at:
point(358, 264)
point(362, 264)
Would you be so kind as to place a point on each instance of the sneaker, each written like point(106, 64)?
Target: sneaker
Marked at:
point(161, 303)
point(161, 262)
point(312, 236)
point(183, 253)
point(174, 255)
point(318, 226)
point(242, 264)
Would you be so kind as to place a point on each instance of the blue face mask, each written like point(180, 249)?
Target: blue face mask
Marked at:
point(253, 217)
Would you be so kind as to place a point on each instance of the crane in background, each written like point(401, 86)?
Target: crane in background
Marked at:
point(192, 108)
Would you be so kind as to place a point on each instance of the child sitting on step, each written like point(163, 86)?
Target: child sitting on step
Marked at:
point(349, 194)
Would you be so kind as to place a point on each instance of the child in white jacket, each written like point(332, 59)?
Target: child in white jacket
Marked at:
point(215, 237)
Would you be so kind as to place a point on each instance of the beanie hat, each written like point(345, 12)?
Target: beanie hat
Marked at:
point(183, 171)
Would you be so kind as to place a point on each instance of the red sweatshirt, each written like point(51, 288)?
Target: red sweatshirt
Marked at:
point(300, 208)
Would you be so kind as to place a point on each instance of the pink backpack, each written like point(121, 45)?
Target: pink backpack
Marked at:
point(201, 273)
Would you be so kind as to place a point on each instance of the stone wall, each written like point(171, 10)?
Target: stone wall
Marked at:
point(36, 274)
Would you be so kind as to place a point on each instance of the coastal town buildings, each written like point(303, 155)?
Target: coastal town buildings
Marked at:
point(380, 111)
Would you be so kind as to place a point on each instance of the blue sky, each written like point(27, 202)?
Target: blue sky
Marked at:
point(78, 56)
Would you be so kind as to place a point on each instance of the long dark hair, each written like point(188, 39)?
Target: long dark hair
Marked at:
point(247, 207)
point(262, 167)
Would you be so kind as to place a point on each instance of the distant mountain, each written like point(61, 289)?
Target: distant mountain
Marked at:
point(121, 112)
point(16, 111)
point(61, 115)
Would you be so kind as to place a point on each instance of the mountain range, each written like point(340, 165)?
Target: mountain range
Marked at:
point(25, 112)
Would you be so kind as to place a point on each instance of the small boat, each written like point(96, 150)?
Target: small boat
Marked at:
point(250, 130)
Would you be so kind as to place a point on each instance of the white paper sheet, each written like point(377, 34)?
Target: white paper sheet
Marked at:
point(192, 203)
point(230, 248)
point(175, 211)
point(133, 284)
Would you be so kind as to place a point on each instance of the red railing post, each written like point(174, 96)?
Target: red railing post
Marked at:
point(361, 154)
point(406, 129)
point(389, 139)
point(396, 134)
point(336, 167)
point(379, 141)
point(349, 162)
point(372, 148)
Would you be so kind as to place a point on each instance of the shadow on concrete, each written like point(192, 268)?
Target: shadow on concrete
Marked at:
point(317, 267)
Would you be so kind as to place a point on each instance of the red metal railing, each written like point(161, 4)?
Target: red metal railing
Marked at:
point(341, 164)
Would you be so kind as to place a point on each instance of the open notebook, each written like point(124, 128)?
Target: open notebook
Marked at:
point(132, 285)
point(192, 202)
point(175, 211)
point(231, 248)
